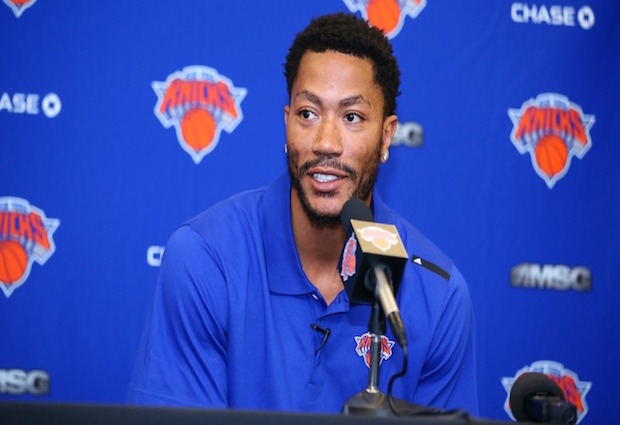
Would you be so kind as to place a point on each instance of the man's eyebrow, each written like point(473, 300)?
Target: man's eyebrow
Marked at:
point(354, 100)
point(310, 96)
point(347, 101)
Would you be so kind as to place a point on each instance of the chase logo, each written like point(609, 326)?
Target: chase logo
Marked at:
point(19, 6)
point(25, 237)
point(552, 130)
point(199, 103)
point(574, 390)
point(387, 15)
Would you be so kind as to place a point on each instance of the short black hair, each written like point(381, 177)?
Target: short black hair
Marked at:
point(346, 33)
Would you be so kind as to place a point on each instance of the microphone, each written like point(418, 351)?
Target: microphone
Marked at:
point(535, 397)
point(373, 259)
point(324, 332)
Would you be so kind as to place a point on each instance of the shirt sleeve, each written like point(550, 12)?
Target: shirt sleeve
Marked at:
point(182, 355)
point(449, 375)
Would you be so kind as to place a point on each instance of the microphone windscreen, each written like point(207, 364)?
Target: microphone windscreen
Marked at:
point(354, 209)
point(530, 384)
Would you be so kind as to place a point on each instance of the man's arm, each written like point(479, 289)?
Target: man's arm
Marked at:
point(182, 356)
point(449, 376)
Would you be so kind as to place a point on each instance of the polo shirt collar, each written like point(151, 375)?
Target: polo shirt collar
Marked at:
point(284, 271)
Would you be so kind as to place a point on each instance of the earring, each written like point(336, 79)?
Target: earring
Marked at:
point(384, 157)
point(285, 148)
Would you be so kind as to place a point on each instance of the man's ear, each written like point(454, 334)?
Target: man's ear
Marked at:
point(389, 128)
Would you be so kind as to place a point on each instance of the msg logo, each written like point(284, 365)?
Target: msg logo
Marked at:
point(18, 382)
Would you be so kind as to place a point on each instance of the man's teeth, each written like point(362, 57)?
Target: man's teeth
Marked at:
point(323, 178)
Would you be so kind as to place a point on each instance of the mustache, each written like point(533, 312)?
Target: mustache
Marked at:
point(328, 163)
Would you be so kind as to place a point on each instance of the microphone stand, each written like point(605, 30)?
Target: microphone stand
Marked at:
point(371, 401)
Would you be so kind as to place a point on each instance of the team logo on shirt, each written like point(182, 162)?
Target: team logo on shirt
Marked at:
point(574, 390)
point(552, 130)
point(19, 6)
point(199, 103)
point(25, 237)
point(363, 344)
point(387, 15)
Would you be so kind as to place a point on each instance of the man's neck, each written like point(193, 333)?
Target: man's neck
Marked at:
point(319, 250)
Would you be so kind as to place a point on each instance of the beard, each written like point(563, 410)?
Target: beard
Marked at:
point(364, 182)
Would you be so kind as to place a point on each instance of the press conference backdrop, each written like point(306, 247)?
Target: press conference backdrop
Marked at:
point(120, 120)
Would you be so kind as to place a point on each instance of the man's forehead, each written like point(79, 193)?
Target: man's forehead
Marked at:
point(354, 99)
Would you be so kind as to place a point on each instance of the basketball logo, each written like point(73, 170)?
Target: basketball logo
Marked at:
point(25, 237)
point(19, 6)
point(13, 261)
point(363, 345)
point(552, 130)
point(198, 128)
point(380, 238)
point(551, 154)
point(384, 14)
point(387, 15)
point(199, 103)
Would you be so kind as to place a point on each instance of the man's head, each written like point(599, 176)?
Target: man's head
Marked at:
point(348, 34)
point(340, 121)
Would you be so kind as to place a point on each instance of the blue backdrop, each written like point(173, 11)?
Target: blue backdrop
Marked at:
point(118, 121)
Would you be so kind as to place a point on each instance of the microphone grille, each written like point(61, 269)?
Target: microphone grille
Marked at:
point(355, 209)
point(530, 384)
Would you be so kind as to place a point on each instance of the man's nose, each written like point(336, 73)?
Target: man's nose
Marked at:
point(328, 141)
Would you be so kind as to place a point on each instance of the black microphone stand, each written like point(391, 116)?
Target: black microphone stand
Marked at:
point(371, 401)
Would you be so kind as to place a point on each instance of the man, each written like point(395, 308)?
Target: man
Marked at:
point(250, 311)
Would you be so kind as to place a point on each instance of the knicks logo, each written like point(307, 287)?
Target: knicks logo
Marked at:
point(363, 344)
point(199, 103)
point(25, 237)
point(19, 6)
point(574, 390)
point(380, 238)
point(349, 260)
point(387, 15)
point(552, 130)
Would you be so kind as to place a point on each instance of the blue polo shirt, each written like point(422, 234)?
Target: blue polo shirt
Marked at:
point(230, 325)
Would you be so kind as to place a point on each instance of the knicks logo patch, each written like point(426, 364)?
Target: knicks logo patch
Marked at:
point(387, 15)
point(574, 390)
point(25, 237)
point(552, 130)
point(364, 343)
point(199, 103)
point(19, 6)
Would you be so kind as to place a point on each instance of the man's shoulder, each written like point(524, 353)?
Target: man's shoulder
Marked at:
point(421, 250)
point(240, 212)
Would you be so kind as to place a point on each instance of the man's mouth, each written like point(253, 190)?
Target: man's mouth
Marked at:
point(324, 178)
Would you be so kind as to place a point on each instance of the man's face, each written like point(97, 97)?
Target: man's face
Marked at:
point(335, 133)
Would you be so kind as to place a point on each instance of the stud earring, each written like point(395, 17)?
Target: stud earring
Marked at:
point(384, 157)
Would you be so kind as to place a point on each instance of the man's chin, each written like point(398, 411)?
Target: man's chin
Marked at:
point(324, 221)
point(326, 216)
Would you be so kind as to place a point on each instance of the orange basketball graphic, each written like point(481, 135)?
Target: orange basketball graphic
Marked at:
point(20, 2)
point(198, 128)
point(383, 14)
point(551, 154)
point(13, 261)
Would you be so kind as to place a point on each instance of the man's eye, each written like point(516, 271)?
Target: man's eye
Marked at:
point(305, 114)
point(352, 117)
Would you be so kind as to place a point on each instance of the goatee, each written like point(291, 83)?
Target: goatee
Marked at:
point(365, 182)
